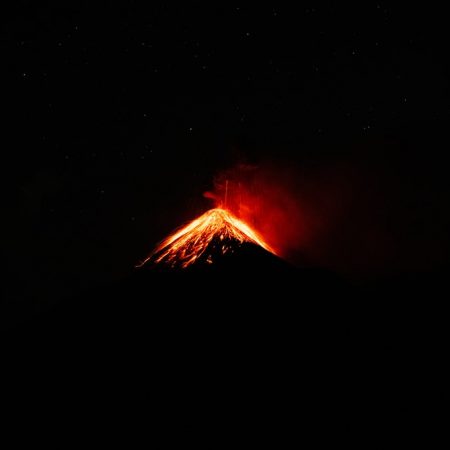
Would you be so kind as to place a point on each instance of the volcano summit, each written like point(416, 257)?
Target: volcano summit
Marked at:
point(209, 240)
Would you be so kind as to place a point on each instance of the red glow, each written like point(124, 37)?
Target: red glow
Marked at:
point(327, 215)
point(264, 199)
point(295, 209)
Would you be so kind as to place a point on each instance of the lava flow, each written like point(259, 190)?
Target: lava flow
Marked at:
point(211, 235)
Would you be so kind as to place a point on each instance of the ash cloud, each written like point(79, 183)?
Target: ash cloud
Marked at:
point(358, 217)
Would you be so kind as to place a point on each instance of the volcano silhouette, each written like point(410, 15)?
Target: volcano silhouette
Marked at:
point(215, 240)
point(211, 299)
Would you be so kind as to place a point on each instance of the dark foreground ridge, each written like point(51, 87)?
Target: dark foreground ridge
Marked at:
point(220, 337)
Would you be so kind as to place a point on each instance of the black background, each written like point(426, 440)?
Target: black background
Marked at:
point(117, 116)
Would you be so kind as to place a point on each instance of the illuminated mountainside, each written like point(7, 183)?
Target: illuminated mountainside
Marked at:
point(205, 241)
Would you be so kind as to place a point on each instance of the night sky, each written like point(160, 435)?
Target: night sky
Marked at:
point(116, 117)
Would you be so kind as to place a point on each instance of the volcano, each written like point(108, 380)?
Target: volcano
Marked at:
point(216, 311)
point(215, 239)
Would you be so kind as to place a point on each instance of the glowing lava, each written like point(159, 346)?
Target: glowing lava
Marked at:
point(213, 234)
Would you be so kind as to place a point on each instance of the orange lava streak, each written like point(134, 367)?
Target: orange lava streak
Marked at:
point(188, 244)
